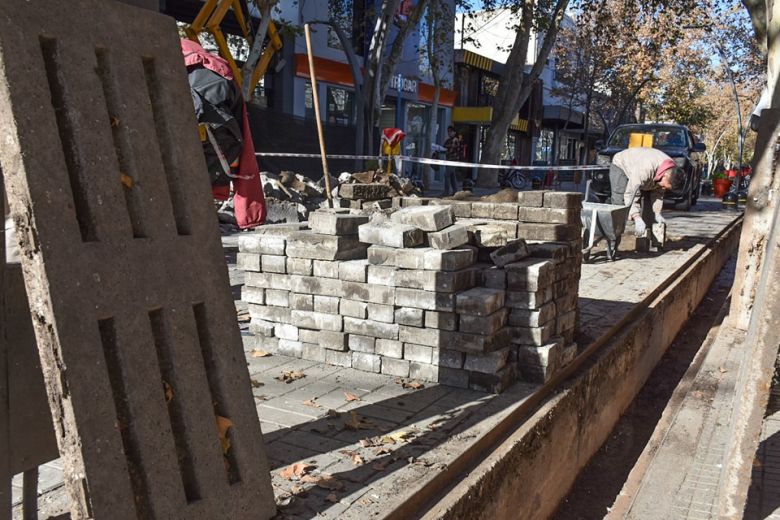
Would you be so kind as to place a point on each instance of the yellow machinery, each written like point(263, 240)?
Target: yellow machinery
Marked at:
point(209, 19)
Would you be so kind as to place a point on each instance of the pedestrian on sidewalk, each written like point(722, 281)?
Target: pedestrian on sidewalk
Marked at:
point(639, 176)
point(452, 144)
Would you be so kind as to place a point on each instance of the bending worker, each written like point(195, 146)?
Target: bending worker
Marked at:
point(647, 171)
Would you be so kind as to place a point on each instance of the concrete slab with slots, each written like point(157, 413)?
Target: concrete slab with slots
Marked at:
point(123, 266)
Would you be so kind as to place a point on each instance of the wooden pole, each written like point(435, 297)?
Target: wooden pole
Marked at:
point(316, 99)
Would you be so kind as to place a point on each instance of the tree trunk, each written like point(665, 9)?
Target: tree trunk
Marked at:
point(396, 50)
point(357, 80)
point(515, 87)
point(433, 16)
point(373, 78)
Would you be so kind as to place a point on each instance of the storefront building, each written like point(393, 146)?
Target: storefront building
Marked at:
point(476, 80)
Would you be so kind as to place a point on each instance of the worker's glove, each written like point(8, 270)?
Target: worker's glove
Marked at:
point(659, 219)
point(639, 227)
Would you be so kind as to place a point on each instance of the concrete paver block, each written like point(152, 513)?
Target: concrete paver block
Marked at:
point(390, 234)
point(353, 308)
point(441, 320)
point(548, 232)
point(489, 235)
point(390, 348)
point(514, 251)
point(530, 275)
point(381, 275)
point(325, 268)
point(300, 266)
point(549, 215)
point(427, 218)
point(370, 191)
point(248, 261)
point(424, 300)
point(262, 244)
point(485, 325)
point(480, 301)
point(353, 270)
point(395, 367)
point(436, 259)
point(329, 223)
point(305, 244)
point(489, 363)
point(81, 103)
point(409, 316)
point(362, 343)
point(439, 281)
point(531, 199)
point(563, 199)
point(367, 362)
point(273, 264)
point(451, 237)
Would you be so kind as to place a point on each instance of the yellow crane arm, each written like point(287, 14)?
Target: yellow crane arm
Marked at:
point(209, 19)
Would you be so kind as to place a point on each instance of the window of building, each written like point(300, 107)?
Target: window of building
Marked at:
point(544, 151)
point(488, 89)
point(510, 147)
point(308, 101)
point(387, 116)
point(341, 106)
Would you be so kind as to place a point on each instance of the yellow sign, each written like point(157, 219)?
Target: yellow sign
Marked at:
point(640, 140)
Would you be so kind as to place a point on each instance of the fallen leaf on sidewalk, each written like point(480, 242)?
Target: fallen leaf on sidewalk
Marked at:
point(298, 490)
point(288, 376)
point(396, 437)
point(357, 460)
point(381, 451)
point(256, 383)
point(332, 413)
point(332, 498)
point(414, 385)
point(312, 402)
point(296, 471)
point(369, 442)
point(258, 352)
point(168, 392)
point(722, 370)
point(127, 181)
point(355, 423)
point(327, 481)
point(351, 397)
point(223, 425)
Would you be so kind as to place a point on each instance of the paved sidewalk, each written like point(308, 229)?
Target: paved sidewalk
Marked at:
point(408, 435)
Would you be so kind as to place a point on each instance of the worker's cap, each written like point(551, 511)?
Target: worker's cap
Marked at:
point(664, 167)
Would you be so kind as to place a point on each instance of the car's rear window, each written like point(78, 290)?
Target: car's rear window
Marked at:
point(662, 136)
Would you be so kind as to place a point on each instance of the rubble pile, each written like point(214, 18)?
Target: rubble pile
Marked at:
point(470, 294)
point(292, 197)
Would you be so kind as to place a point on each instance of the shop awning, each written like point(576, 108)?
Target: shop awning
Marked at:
point(482, 116)
point(338, 73)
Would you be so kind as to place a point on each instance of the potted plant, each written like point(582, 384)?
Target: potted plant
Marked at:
point(721, 184)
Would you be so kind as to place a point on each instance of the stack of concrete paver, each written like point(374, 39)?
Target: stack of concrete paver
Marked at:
point(416, 294)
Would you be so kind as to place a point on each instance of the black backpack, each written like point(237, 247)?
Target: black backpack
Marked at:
point(218, 106)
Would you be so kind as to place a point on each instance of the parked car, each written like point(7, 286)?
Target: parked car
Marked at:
point(677, 141)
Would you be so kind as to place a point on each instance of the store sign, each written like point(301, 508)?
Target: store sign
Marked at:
point(398, 82)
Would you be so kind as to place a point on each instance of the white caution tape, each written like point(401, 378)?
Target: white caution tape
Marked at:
point(440, 162)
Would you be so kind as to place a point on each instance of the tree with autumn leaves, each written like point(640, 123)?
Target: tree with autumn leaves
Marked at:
point(624, 64)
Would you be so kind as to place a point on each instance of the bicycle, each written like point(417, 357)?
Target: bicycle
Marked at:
point(516, 179)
